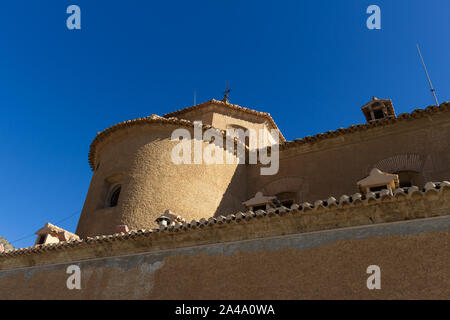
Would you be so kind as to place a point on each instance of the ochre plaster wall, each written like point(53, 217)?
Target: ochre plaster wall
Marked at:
point(331, 167)
point(413, 258)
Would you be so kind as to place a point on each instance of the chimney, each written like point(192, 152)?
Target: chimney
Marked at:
point(378, 180)
point(378, 109)
point(168, 218)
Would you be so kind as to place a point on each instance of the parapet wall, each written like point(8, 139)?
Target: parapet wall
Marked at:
point(318, 250)
point(412, 256)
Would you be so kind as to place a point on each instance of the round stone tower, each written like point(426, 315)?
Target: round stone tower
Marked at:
point(135, 179)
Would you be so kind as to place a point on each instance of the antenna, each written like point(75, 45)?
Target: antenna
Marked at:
point(428, 76)
point(195, 98)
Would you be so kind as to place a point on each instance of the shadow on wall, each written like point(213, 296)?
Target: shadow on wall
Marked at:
point(235, 193)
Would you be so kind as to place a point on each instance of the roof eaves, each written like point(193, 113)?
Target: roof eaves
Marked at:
point(416, 114)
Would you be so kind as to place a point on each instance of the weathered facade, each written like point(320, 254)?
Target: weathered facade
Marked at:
point(136, 155)
point(375, 193)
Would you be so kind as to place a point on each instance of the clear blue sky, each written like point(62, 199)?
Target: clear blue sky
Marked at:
point(311, 64)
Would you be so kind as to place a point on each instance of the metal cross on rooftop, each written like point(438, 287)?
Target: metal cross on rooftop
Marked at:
point(225, 93)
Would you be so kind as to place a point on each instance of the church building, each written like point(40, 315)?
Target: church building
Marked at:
point(376, 193)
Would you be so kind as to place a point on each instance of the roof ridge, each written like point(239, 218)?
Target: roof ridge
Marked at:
point(186, 109)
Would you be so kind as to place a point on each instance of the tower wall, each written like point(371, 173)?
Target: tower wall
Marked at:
point(138, 158)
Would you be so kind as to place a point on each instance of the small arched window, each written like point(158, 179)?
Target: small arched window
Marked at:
point(41, 239)
point(408, 178)
point(286, 199)
point(114, 198)
point(243, 131)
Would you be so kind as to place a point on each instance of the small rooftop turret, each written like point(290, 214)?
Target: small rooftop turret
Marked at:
point(53, 234)
point(378, 180)
point(378, 109)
